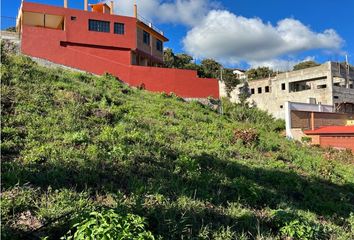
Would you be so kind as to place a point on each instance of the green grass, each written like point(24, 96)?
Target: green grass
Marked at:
point(73, 143)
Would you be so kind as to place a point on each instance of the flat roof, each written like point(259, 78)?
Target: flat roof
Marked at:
point(331, 130)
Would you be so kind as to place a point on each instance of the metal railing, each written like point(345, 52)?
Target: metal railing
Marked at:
point(149, 23)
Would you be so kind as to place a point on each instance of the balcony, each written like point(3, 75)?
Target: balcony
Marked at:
point(148, 23)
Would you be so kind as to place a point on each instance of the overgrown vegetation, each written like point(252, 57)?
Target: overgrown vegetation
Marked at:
point(74, 144)
point(259, 73)
point(305, 64)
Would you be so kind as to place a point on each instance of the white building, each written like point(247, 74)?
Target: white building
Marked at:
point(329, 84)
point(240, 74)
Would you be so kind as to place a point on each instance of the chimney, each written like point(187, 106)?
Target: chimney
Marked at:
point(135, 10)
point(65, 3)
point(85, 5)
point(112, 7)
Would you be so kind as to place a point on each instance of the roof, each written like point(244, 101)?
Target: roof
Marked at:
point(241, 70)
point(331, 130)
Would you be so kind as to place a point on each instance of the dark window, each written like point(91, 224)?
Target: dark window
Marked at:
point(146, 38)
point(119, 28)
point(99, 26)
point(266, 89)
point(281, 106)
point(252, 90)
point(259, 90)
point(321, 86)
point(159, 45)
point(283, 86)
point(335, 97)
point(73, 18)
point(312, 100)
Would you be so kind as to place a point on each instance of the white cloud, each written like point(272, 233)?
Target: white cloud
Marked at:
point(279, 64)
point(186, 12)
point(230, 38)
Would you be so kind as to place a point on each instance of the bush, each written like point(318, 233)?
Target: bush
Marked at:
point(108, 224)
point(247, 136)
point(298, 228)
point(244, 113)
point(306, 139)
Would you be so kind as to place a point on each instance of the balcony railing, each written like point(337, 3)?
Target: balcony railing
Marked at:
point(149, 23)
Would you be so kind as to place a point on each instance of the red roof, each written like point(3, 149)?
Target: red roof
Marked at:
point(331, 130)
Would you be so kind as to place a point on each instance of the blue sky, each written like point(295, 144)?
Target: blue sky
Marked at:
point(242, 33)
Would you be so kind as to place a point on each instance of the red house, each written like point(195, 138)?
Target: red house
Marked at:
point(333, 136)
point(98, 41)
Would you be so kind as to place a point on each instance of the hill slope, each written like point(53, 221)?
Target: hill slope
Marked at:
point(73, 143)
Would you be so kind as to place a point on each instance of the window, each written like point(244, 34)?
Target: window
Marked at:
point(300, 86)
point(335, 97)
point(252, 90)
point(43, 20)
point(259, 90)
point(283, 86)
point(99, 26)
point(119, 28)
point(146, 38)
point(159, 45)
point(266, 89)
point(73, 18)
point(312, 100)
point(281, 106)
point(321, 86)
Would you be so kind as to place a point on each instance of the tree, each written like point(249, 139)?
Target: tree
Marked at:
point(11, 29)
point(260, 72)
point(211, 68)
point(182, 60)
point(169, 58)
point(306, 64)
point(230, 80)
point(244, 94)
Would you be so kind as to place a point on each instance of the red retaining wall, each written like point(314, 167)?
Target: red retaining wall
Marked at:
point(53, 45)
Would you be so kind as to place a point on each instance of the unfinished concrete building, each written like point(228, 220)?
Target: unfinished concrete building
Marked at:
point(330, 83)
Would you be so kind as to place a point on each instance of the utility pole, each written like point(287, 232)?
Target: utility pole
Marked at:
point(346, 72)
point(221, 70)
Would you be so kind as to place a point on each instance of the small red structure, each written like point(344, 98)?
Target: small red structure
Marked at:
point(333, 136)
point(98, 41)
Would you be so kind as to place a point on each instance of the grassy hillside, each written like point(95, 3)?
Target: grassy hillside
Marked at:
point(75, 144)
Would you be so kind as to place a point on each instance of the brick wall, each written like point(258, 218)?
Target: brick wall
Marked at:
point(302, 119)
point(338, 141)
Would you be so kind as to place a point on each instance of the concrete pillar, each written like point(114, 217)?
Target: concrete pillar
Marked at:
point(112, 7)
point(288, 126)
point(85, 5)
point(65, 3)
point(312, 121)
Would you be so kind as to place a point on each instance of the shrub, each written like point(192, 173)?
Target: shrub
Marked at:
point(247, 136)
point(108, 224)
point(306, 139)
point(297, 227)
point(244, 113)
